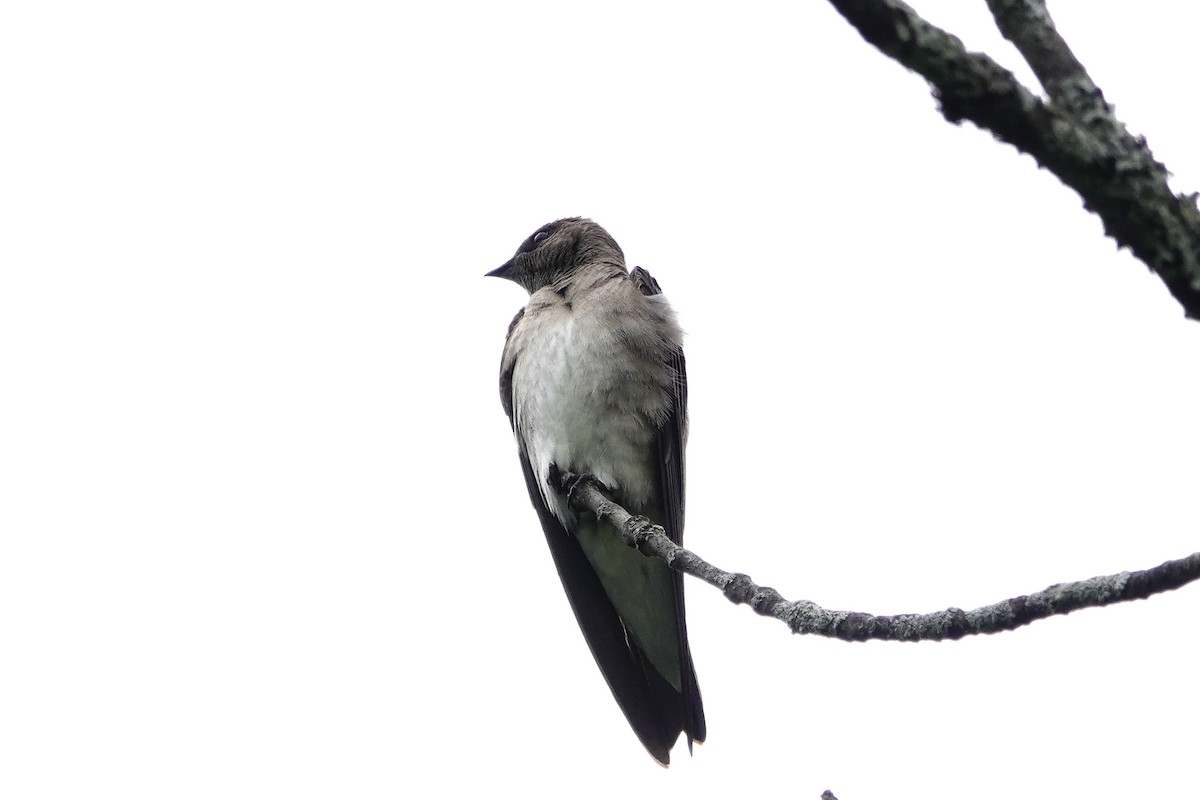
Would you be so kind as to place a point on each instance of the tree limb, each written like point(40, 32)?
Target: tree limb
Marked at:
point(1027, 24)
point(1075, 135)
point(585, 493)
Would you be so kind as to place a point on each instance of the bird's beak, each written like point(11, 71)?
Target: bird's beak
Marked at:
point(499, 271)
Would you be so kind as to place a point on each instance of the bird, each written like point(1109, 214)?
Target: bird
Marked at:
point(593, 381)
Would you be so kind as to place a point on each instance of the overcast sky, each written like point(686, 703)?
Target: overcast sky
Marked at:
point(262, 527)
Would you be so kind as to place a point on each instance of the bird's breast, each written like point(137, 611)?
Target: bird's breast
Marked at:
point(586, 401)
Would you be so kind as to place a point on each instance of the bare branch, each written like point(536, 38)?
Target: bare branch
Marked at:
point(586, 494)
point(1027, 24)
point(1075, 135)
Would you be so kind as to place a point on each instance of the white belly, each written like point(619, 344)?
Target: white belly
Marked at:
point(578, 404)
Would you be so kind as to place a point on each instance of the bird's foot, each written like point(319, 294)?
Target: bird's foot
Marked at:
point(565, 482)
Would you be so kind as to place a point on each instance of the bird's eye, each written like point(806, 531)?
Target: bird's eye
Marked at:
point(537, 237)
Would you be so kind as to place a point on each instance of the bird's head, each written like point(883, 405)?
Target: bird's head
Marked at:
point(556, 250)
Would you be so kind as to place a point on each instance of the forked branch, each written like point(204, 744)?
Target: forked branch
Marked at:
point(1073, 132)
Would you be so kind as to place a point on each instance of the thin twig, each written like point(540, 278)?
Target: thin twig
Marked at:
point(585, 493)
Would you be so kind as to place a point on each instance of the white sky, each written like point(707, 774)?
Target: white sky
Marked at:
point(263, 529)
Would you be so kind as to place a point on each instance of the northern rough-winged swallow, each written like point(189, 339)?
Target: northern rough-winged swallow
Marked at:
point(593, 382)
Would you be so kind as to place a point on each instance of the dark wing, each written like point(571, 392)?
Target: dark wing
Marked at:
point(506, 371)
point(639, 690)
point(672, 438)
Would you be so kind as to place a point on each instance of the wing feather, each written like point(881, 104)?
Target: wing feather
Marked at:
point(672, 440)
